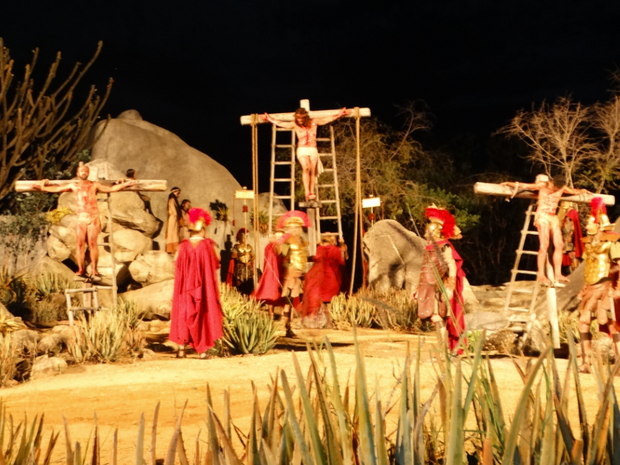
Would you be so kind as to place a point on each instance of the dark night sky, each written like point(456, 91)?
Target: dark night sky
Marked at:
point(195, 67)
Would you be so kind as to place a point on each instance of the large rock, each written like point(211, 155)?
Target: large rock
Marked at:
point(394, 256)
point(128, 244)
point(57, 249)
point(155, 300)
point(44, 367)
point(25, 340)
point(46, 265)
point(152, 267)
point(155, 153)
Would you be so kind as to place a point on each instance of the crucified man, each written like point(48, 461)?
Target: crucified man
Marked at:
point(88, 222)
point(307, 153)
point(550, 192)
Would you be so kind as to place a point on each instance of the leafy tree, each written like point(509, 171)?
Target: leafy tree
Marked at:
point(37, 124)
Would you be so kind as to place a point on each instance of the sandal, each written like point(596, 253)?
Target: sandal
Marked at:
point(205, 356)
point(181, 353)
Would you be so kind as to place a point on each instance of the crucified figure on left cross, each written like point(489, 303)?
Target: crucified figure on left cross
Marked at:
point(88, 221)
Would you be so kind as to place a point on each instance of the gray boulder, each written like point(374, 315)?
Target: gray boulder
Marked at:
point(44, 367)
point(24, 340)
point(152, 267)
point(130, 142)
point(155, 300)
point(394, 256)
point(46, 265)
point(128, 244)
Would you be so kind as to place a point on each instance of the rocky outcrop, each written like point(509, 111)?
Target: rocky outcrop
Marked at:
point(394, 256)
point(152, 267)
point(155, 300)
point(155, 153)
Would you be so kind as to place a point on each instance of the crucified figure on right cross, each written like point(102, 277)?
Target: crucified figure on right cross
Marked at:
point(550, 192)
point(307, 153)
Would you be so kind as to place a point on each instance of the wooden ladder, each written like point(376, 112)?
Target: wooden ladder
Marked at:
point(523, 315)
point(328, 192)
point(282, 171)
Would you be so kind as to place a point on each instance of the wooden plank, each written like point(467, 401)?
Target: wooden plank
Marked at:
point(247, 119)
point(486, 188)
point(147, 185)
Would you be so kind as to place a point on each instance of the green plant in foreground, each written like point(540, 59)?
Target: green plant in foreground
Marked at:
point(310, 418)
point(247, 330)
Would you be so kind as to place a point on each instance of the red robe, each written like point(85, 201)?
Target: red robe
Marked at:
point(325, 279)
point(456, 325)
point(196, 309)
point(269, 285)
point(573, 216)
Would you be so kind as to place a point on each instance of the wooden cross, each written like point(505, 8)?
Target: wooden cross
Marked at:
point(505, 191)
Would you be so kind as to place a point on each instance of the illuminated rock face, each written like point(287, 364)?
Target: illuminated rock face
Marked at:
point(394, 256)
point(155, 153)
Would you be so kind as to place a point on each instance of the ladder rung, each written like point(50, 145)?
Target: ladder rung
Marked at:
point(282, 162)
point(533, 273)
point(325, 185)
point(282, 196)
point(532, 233)
point(282, 179)
point(527, 252)
point(323, 139)
point(523, 291)
point(329, 218)
point(328, 170)
point(326, 154)
point(328, 201)
point(519, 309)
point(83, 308)
point(279, 129)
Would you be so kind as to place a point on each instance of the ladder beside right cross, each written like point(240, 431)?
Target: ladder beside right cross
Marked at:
point(527, 315)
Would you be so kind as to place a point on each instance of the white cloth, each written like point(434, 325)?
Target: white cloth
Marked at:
point(311, 152)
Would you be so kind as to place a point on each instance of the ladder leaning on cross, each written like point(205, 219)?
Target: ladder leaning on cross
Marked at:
point(530, 318)
point(89, 290)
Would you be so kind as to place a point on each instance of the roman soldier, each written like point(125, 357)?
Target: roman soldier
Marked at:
point(293, 248)
point(440, 291)
point(601, 251)
point(241, 269)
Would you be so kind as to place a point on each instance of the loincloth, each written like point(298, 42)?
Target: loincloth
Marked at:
point(596, 303)
point(549, 219)
point(86, 218)
point(313, 154)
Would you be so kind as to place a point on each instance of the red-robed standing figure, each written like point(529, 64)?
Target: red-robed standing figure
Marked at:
point(326, 279)
point(196, 317)
point(269, 288)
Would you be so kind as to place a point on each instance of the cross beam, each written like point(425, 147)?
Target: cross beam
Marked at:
point(505, 191)
point(140, 185)
point(247, 119)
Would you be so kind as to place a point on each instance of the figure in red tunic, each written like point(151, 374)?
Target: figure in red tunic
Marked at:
point(269, 288)
point(571, 235)
point(443, 264)
point(196, 318)
point(326, 279)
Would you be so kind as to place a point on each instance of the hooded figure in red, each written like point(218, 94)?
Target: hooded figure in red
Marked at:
point(326, 279)
point(196, 317)
point(442, 259)
point(269, 287)
point(571, 235)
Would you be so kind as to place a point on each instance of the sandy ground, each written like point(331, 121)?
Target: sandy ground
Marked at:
point(119, 393)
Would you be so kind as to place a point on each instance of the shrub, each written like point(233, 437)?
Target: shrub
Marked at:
point(107, 335)
point(247, 330)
